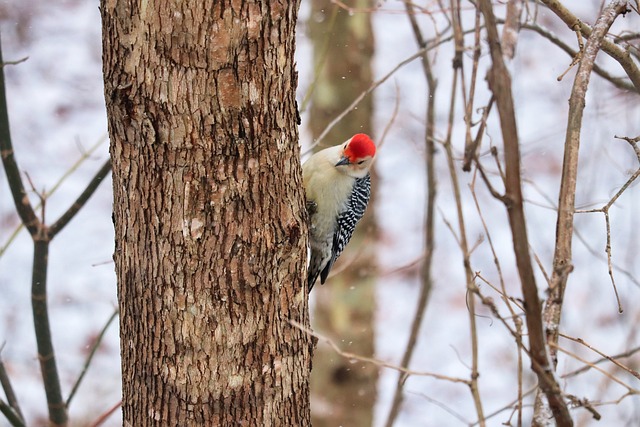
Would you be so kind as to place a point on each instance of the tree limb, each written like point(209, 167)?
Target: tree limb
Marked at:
point(81, 200)
point(20, 197)
point(500, 84)
point(622, 56)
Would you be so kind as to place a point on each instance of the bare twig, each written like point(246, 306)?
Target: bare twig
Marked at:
point(81, 200)
point(457, 65)
point(566, 205)
point(622, 56)
point(426, 282)
point(578, 56)
point(12, 400)
point(85, 154)
point(619, 82)
point(597, 368)
point(41, 236)
point(37, 229)
point(14, 419)
point(611, 359)
point(622, 355)
point(516, 320)
point(87, 363)
point(430, 44)
point(471, 146)
point(500, 84)
point(15, 62)
point(20, 197)
point(377, 362)
point(447, 408)
point(104, 417)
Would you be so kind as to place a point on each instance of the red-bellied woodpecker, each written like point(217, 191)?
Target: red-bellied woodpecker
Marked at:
point(338, 187)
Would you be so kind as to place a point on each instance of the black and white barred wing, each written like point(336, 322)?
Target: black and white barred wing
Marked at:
point(348, 219)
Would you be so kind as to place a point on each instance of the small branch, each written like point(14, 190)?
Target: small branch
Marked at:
point(20, 197)
point(81, 200)
point(10, 414)
point(471, 147)
point(602, 371)
point(609, 263)
point(94, 348)
point(377, 362)
point(84, 156)
point(578, 56)
point(622, 56)
point(604, 356)
point(8, 389)
point(360, 97)
point(500, 84)
point(104, 417)
point(46, 354)
point(505, 297)
point(16, 62)
point(619, 82)
point(458, 75)
point(562, 258)
point(430, 44)
point(622, 355)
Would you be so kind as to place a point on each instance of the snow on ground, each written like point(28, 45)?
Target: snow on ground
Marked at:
point(57, 112)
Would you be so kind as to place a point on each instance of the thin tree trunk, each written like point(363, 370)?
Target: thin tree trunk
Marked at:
point(208, 212)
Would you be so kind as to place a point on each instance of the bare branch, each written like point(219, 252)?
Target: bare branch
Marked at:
point(81, 200)
point(94, 348)
point(566, 205)
point(377, 362)
point(11, 415)
point(619, 82)
point(46, 354)
point(103, 418)
point(8, 389)
point(616, 52)
point(20, 197)
point(500, 84)
point(604, 356)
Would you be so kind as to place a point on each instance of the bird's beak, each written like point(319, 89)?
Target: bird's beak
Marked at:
point(343, 161)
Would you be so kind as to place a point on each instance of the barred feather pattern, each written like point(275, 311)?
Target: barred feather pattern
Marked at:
point(346, 224)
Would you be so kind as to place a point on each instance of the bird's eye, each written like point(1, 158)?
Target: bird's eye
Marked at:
point(361, 162)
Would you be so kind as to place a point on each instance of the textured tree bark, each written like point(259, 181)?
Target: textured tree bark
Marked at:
point(209, 216)
point(344, 393)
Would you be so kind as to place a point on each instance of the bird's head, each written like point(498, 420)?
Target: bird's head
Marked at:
point(357, 155)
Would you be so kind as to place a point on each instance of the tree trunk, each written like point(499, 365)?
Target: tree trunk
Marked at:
point(208, 211)
point(344, 393)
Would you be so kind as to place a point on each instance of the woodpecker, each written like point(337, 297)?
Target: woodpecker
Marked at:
point(338, 187)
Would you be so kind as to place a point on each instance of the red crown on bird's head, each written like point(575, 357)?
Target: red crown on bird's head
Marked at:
point(359, 147)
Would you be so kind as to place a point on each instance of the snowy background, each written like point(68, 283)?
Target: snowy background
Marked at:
point(57, 115)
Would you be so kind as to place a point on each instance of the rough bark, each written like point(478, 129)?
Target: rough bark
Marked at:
point(344, 393)
point(208, 212)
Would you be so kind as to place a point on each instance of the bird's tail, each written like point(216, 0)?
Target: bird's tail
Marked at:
point(315, 267)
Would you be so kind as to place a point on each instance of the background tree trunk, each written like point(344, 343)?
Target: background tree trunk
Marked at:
point(344, 393)
point(208, 212)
